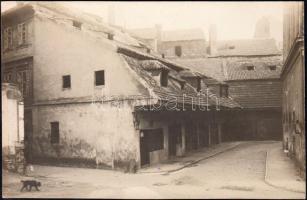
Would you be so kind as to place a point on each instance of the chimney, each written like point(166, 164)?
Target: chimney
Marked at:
point(158, 28)
point(212, 39)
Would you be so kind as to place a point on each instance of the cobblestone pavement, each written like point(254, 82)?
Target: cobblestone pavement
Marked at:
point(237, 173)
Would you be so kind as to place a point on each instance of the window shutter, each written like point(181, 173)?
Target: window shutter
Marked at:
point(19, 31)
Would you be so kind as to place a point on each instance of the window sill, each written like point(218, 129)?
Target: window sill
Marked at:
point(66, 89)
point(99, 86)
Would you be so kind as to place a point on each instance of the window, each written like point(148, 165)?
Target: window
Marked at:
point(164, 78)
point(250, 67)
point(148, 50)
point(272, 67)
point(224, 91)
point(22, 34)
point(110, 36)
point(8, 38)
point(163, 55)
point(76, 24)
point(66, 81)
point(99, 77)
point(55, 133)
point(8, 77)
point(178, 51)
point(23, 80)
point(198, 85)
point(231, 47)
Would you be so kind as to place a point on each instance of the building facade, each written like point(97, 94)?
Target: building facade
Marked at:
point(97, 97)
point(293, 83)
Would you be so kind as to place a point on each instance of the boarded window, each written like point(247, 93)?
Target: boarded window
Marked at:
point(55, 133)
point(178, 51)
point(164, 78)
point(99, 77)
point(66, 81)
point(76, 24)
point(155, 139)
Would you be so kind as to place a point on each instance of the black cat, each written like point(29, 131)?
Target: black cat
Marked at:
point(28, 184)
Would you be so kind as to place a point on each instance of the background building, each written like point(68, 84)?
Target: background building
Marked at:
point(293, 83)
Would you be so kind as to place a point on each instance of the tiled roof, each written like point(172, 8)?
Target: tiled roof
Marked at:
point(247, 47)
point(173, 90)
point(235, 69)
point(184, 34)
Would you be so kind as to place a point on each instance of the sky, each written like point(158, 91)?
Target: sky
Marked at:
point(234, 20)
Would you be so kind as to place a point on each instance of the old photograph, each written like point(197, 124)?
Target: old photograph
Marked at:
point(153, 99)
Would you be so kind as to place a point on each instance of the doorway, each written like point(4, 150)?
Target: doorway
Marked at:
point(174, 138)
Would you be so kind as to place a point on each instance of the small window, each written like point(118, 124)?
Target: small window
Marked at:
point(66, 81)
point(55, 133)
point(164, 78)
point(250, 67)
point(178, 51)
point(110, 36)
point(76, 24)
point(224, 91)
point(163, 56)
point(272, 67)
point(99, 77)
point(148, 50)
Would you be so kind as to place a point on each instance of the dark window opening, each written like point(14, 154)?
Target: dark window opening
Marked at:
point(76, 24)
point(178, 51)
point(163, 56)
point(66, 81)
point(164, 78)
point(224, 91)
point(99, 77)
point(272, 67)
point(148, 50)
point(198, 85)
point(155, 139)
point(250, 68)
point(110, 36)
point(55, 133)
point(182, 85)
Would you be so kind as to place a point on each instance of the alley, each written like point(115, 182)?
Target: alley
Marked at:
point(237, 173)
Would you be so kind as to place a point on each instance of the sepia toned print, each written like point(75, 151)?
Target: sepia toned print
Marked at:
point(153, 100)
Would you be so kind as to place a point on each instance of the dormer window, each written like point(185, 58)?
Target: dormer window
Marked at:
point(198, 85)
point(110, 36)
point(178, 51)
point(250, 68)
point(272, 67)
point(164, 78)
point(76, 24)
point(223, 90)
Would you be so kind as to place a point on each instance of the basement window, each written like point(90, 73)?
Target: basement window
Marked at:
point(178, 51)
point(55, 133)
point(250, 67)
point(76, 24)
point(99, 77)
point(66, 81)
point(272, 67)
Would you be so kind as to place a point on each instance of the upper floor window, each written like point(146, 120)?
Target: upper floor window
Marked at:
point(76, 24)
point(99, 78)
point(66, 82)
point(178, 51)
point(22, 33)
point(23, 82)
point(8, 38)
point(224, 91)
